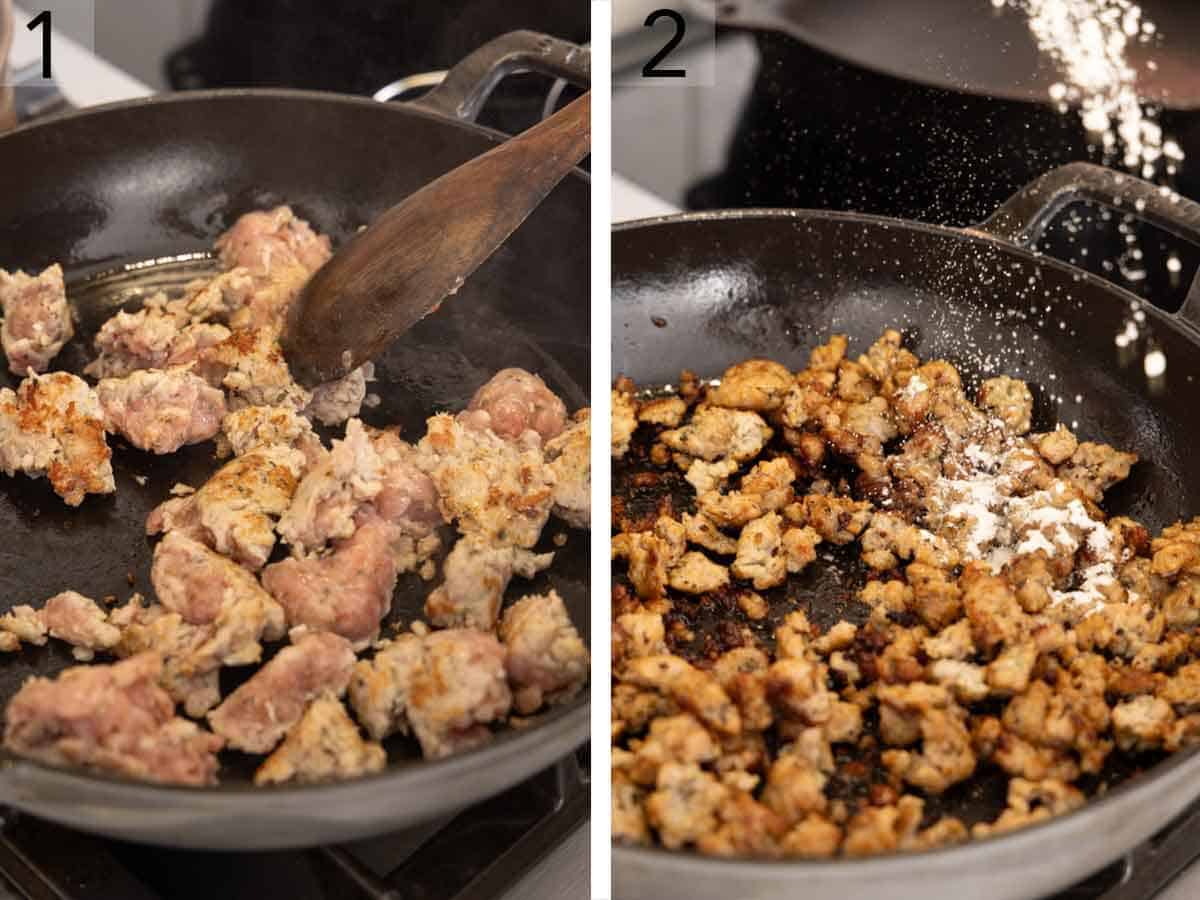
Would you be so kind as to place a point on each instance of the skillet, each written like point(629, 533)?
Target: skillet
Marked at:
point(705, 290)
point(129, 198)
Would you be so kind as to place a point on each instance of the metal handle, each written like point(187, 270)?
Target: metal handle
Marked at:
point(402, 86)
point(466, 87)
point(1023, 218)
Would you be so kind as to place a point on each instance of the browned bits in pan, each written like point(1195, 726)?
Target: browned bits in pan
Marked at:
point(853, 600)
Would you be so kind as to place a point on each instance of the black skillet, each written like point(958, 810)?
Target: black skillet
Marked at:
point(158, 180)
point(705, 290)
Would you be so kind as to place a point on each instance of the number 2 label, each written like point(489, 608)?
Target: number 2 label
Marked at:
point(651, 70)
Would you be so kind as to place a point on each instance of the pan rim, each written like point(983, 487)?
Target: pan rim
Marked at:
point(287, 94)
point(971, 233)
point(691, 864)
point(571, 723)
point(768, 21)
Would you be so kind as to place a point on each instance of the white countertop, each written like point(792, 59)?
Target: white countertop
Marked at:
point(83, 77)
point(631, 201)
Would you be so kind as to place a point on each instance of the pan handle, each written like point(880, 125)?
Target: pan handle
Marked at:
point(1023, 218)
point(466, 87)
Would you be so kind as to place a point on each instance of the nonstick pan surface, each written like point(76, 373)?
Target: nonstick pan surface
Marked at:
point(157, 181)
point(704, 291)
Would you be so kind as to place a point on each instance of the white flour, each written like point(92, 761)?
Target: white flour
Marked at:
point(1088, 40)
point(994, 526)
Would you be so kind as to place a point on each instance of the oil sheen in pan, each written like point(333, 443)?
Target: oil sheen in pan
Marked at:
point(98, 297)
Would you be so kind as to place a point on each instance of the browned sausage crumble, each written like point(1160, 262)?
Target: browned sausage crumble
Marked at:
point(994, 626)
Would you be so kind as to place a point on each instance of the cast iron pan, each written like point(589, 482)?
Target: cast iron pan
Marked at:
point(703, 291)
point(969, 45)
point(158, 180)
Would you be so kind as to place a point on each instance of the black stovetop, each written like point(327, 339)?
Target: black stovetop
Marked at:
point(1145, 872)
point(477, 854)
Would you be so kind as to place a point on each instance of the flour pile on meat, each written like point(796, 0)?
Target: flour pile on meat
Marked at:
point(1000, 621)
point(462, 507)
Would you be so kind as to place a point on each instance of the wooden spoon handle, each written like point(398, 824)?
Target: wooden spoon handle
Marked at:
point(420, 251)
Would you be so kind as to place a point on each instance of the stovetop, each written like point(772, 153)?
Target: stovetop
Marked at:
point(1148, 871)
point(474, 855)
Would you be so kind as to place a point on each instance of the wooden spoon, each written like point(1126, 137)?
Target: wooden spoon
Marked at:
point(419, 252)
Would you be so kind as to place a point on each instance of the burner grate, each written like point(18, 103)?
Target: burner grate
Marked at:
point(1146, 871)
point(475, 855)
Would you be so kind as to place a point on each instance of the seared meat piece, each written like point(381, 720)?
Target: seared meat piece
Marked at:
point(131, 341)
point(638, 634)
point(379, 687)
point(280, 252)
point(497, 489)
point(692, 688)
point(947, 756)
point(695, 573)
point(886, 356)
point(193, 654)
point(112, 718)
point(761, 558)
point(160, 410)
point(718, 433)
point(332, 492)
point(1009, 400)
point(756, 384)
point(703, 531)
point(79, 621)
point(408, 498)
point(269, 243)
point(325, 745)
point(514, 401)
point(624, 422)
point(249, 365)
point(667, 411)
point(477, 574)
point(336, 401)
point(53, 426)
point(547, 660)
point(157, 336)
point(568, 456)
point(264, 426)
point(684, 806)
point(215, 299)
point(347, 592)
point(1030, 802)
point(679, 738)
point(1094, 468)
point(1142, 723)
point(197, 583)
point(459, 689)
point(446, 686)
point(628, 818)
point(37, 318)
point(255, 716)
point(1056, 446)
point(233, 511)
point(24, 623)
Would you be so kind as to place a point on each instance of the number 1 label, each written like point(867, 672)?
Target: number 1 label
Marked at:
point(43, 20)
